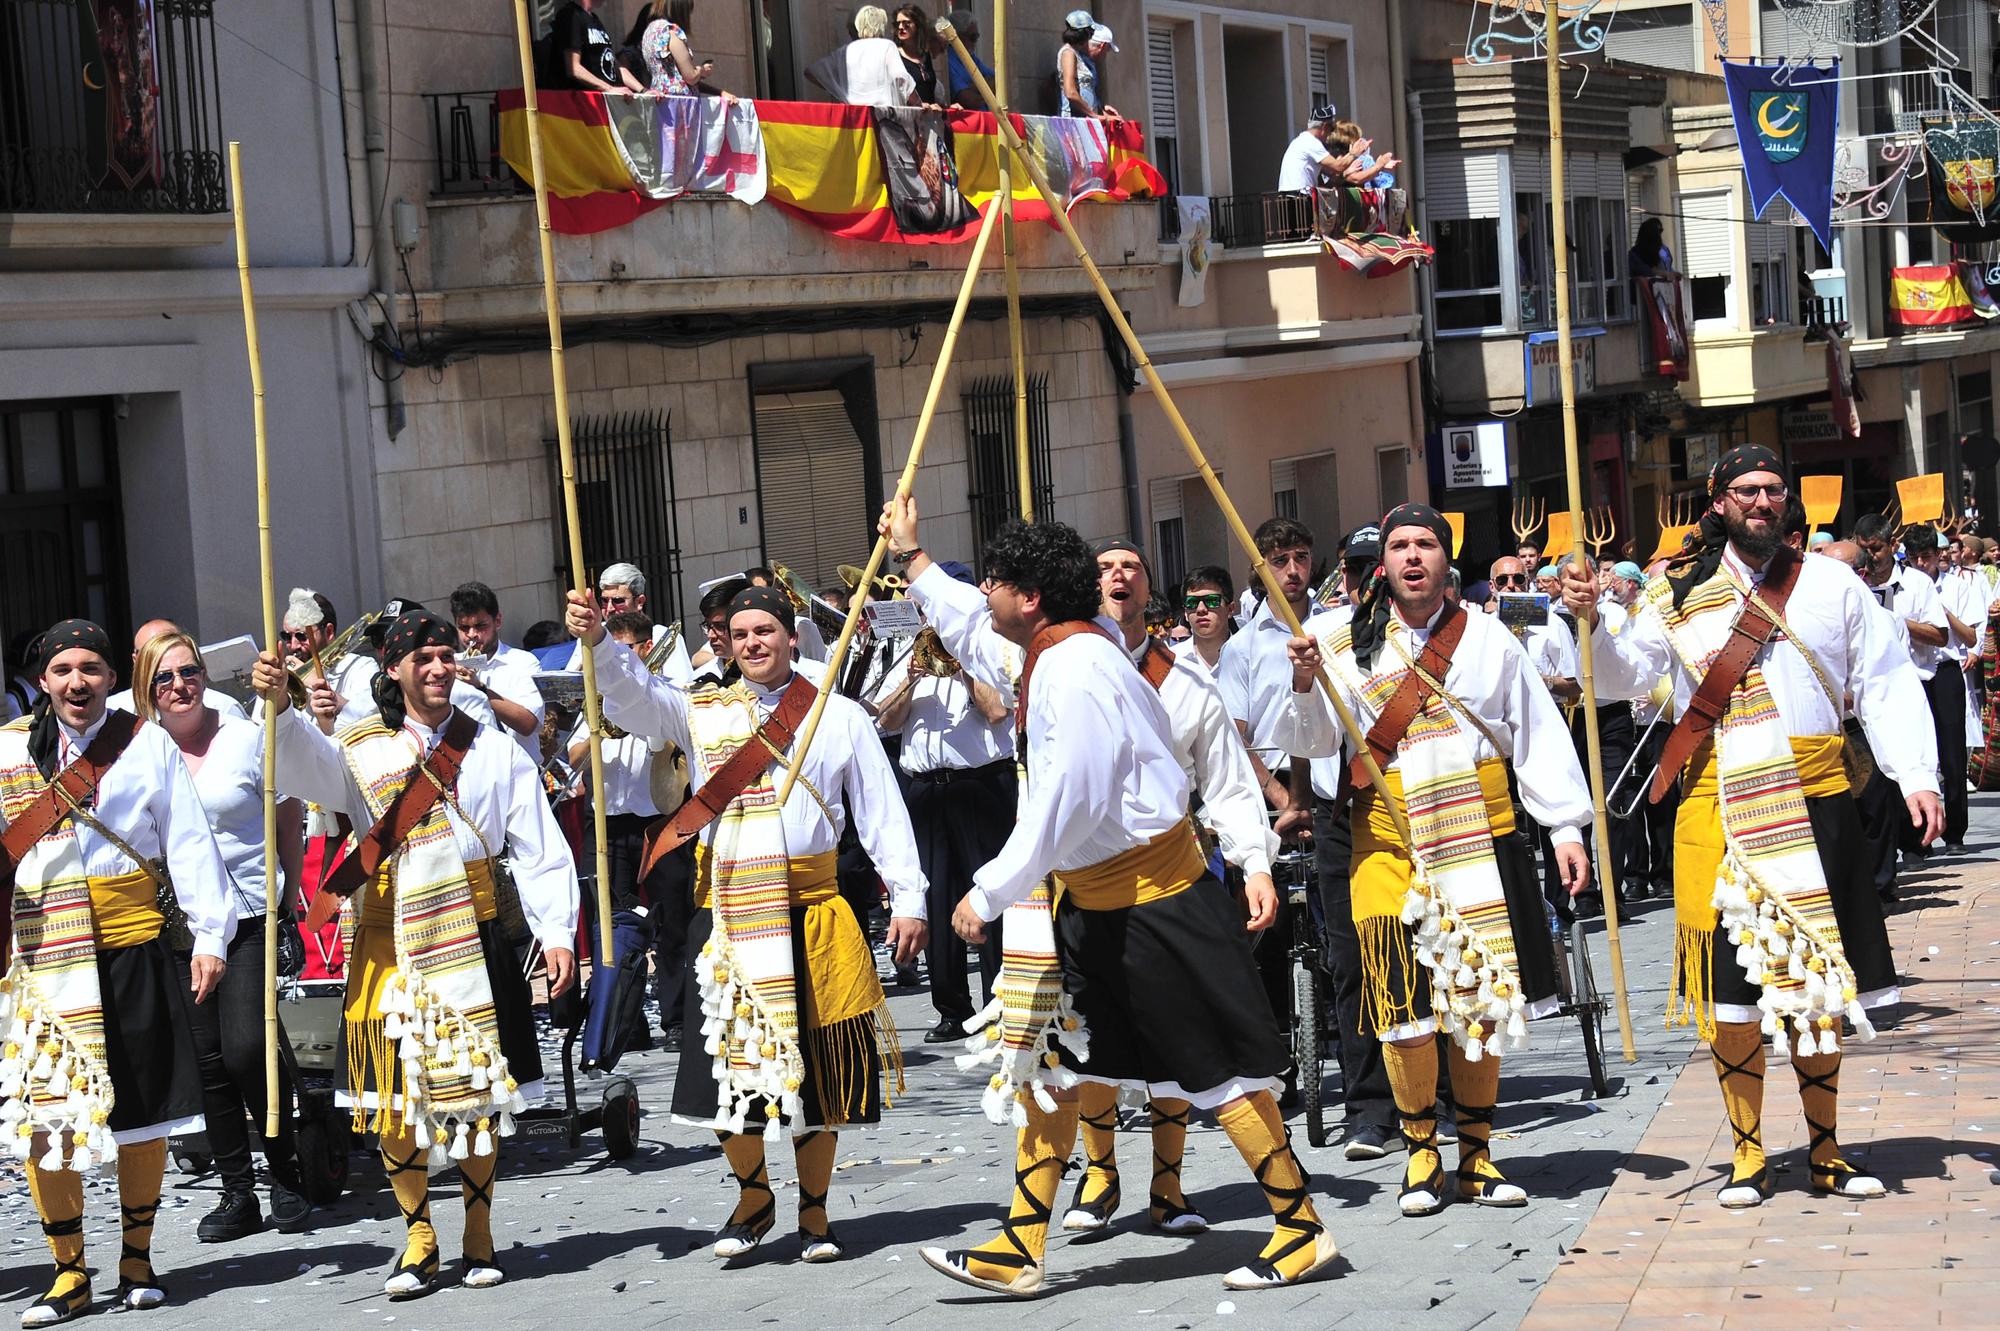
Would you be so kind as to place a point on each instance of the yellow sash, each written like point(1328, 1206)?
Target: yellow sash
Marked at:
point(125, 909)
point(1381, 878)
point(814, 878)
point(1160, 868)
point(372, 955)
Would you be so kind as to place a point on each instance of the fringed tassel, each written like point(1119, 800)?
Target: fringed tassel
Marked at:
point(1385, 958)
point(1692, 997)
point(836, 1057)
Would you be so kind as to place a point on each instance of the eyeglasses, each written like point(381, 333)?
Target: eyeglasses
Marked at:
point(1203, 601)
point(294, 635)
point(187, 674)
point(1747, 494)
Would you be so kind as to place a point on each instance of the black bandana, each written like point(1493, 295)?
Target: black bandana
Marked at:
point(69, 634)
point(1417, 515)
point(771, 600)
point(1741, 461)
point(1371, 609)
point(1701, 551)
point(416, 629)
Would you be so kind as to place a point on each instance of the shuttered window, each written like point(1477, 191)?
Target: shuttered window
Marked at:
point(1777, 37)
point(1316, 72)
point(1662, 37)
point(1160, 81)
point(811, 484)
point(1705, 221)
point(1169, 531)
point(1462, 185)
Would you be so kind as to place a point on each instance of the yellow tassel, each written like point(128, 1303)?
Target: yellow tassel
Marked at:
point(1692, 996)
point(1383, 938)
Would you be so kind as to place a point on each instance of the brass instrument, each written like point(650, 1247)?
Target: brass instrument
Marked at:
point(656, 656)
point(337, 649)
point(886, 587)
point(928, 654)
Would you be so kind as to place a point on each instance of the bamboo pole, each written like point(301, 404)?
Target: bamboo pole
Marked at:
point(903, 487)
point(593, 705)
point(1016, 344)
point(272, 895)
point(1274, 594)
point(1607, 881)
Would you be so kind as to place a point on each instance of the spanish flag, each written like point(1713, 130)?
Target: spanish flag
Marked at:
point(825, 165)
point(1930, 295)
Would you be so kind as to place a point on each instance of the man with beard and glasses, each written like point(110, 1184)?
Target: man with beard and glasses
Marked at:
point(1453, 933)
point(1766, 645)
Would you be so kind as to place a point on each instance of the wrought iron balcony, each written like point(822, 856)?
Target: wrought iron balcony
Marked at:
point(465, 126)
point(110, 107)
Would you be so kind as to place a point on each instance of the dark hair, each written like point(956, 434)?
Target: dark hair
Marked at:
point(1873, 527)
point(388, 697)
point(1078, 36)
point(1211, 575)
point(1158, 613)
point(543, 633)
point(1051, 559)
point(328, 620)
point(680, 13)
point(1795, 517)
point(1650, 227)
point(752, 574)
point(470, 598)
point(720, 595)
point(1275, 534)
point(632, 623)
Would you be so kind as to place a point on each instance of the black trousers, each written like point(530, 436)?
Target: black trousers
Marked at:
point(1947, 698)
point(1649, 852)
point(1364, 1077)
point(1884, 819)
point(1616, 738)
point(962, 817)
point(228, 1035)
point(667, 894)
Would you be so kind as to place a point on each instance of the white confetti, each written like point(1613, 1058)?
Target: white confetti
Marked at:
point(1224, 1308)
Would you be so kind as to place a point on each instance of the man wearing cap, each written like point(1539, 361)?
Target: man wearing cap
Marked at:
point(1778, 931)
point(1307, 155)
point(1144, 972)
point(438, 1029)
point(1453, 935)
point(958, 755)
point(795, 1027)
point(100, 816)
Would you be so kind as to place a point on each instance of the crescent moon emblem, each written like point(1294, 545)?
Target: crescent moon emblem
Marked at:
point(1764, 119)
point(94, 87)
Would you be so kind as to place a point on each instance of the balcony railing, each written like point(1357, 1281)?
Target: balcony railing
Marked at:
point(465, 126)
point(110, 108)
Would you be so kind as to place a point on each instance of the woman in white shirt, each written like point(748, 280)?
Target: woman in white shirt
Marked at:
point(225, 756)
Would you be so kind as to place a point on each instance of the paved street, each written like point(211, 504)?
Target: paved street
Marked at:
point(631, 1237)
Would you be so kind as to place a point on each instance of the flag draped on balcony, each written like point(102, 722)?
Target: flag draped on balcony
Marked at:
point(608, 162)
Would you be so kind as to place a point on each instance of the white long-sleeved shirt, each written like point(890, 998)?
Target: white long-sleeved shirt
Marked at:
point(1491, 677)
point(628, 771)
point(1963, 593)
point(149, 800)
point(231, 786)
point(498, 789)
point(510, 672)
point(1861, 655)
point(845, 764)
point(942, 728)
point(1912, 595)
point(1255, 676)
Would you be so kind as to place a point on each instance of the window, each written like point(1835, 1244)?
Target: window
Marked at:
point(1975, 403)
point(1259, 115)
point(1392, 474)
point(1463, 197)
point(995, 496)
point(1613, 245)
point(62, 532)
point(819, 472)
point(1708, 228)
point(1169, 532)
point(1768, 245)
point(1664, 36)
point(1326, 74)
point(624, 500)
point(1534, 258)
point(1586, 261)
point(1307, 490)
point(1163, 94)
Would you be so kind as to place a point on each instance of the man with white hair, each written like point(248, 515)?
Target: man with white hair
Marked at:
point(621, 587)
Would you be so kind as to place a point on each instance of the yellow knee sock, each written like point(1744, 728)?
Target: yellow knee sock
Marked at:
point(58, 1198)
point(1475, 1087)
point(754, 1205)
point(1097, 1128)
point(408, 1168)
point(476, 1174)
point(1413, 1075)
point(1738, 1053)
point(141, 1167)
point(1819, 1095)
point(1170, 1129)
point(1040, 1154)
point(814, 1152)
point(1258, 1131)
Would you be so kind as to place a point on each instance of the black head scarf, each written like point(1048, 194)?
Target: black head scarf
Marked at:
point(1371, 610)
point(771, 600)
point(44, 737)
point(1701, 552)
point(1105, 547)
point(411, 631)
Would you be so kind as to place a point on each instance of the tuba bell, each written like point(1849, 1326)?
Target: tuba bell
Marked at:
point(928, 654)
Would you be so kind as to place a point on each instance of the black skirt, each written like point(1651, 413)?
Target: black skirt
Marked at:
point(148, 1015)
point(1850, 882)
point(1169, 992)
point(696, 1096)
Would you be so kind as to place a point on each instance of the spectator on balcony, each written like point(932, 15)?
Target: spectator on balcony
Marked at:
point(1310, 155)
point(962, 89)
point(1650, 256)
point(578, 54)
point(1084, 42)
point(914, 39)
point(1344, 135)
point(660, 34)
point(868, 71)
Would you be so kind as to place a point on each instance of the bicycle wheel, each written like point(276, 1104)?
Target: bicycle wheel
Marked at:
point(1589, 1006)
point(1306, 1036)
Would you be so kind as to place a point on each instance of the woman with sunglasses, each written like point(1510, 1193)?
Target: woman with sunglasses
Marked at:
point(225, 756)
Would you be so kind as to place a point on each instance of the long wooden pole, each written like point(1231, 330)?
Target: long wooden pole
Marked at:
point(593, 705)
point(904, 485)
point(1607, 881)
point(1016, 344)
point(267, 589)
point(1274, 594)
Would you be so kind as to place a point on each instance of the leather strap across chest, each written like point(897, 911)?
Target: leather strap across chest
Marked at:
point(411, 806)
point(1411, 694)
point(76, 785)
point(1047, 637)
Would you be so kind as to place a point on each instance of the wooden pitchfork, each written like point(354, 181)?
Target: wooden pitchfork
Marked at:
point(1527, 519)
point(1600, 527)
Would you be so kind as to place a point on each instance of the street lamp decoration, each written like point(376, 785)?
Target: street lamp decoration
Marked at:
point(1786, 123)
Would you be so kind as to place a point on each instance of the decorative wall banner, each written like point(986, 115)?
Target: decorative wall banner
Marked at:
point(1198, 246)
point(1786, 122)
point(1369, 230)
point(1930, 296)
point(1962, 158)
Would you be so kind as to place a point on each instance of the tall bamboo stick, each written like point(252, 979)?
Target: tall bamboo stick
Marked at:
point(1274, 594)
point(1606, 875)
point(272, 895)
point(903, 487)
point(1016, 345)
point(593, 705)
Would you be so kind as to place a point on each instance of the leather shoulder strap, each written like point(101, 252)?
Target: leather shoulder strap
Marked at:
point(411, 806)
point(738, 770)
point(1157, 663)
point(79, 781)
point(1394, 722)
point(1747, 636)
point(1048, 637)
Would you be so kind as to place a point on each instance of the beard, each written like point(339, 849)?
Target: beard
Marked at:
point(1751, 544)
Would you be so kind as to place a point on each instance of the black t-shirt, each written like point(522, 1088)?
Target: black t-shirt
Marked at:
point(577, 29)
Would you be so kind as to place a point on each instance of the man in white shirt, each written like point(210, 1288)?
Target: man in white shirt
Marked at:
point(1208, 605)
point(504, 675)
point(621, 587)
point(1306, 156)
point(1881, 803)
point(1965, 615)
point(151, 629)
point(1255, 674)
point(1908, 593)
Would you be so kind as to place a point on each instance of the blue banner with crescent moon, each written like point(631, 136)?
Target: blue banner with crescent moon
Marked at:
point(1786, 120)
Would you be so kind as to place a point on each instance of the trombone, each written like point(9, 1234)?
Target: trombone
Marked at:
point(1663, 693)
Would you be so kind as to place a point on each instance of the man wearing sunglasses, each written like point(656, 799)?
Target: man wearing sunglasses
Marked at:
point(1208, 605)
point(1766, 645)
point(151, 629)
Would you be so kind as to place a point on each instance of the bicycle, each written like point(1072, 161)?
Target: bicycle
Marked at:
point(1293, 872)
point(1576, 985)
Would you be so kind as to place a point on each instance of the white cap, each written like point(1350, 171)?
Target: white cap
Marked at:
point(1101, 33)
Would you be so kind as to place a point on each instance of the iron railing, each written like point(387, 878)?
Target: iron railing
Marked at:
point(465, 126)
point(110, 107)
point(1239, 220)
point(625, 501)
point(995, 496)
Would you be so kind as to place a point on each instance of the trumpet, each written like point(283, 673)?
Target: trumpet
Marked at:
point(338, 648)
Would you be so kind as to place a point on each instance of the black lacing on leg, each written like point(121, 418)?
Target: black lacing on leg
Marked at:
point(1020, 1258)
point(1724, 1070)
point(1413, 1143)
point(1106, 1202)
point(478, 1195)
point(1294, 1200)
point(78, 1298)
point(759, 1222)
point(416, 1162)
point(1827, 1176)
point(129, 1219)
point(1166, 1211)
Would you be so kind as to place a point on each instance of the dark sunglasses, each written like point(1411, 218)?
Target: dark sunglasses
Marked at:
point(294, 635)
point(1203, 601)
point(1508, 579)
point(187, 674)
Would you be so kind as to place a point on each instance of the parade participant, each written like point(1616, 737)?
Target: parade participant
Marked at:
point(1909, 594)
point(1155, 981)
point(812, 643)
point(714, 665)
point(438, 1036)
point(125, 699)
point(225, 756)
point(102, 826)
point(1766, 646)
point(621, 589)
point(1453, 934)
point(1208, 605)
point(505, 675)
point(796, 1029)
point(1964, 604)
point(308, 628)
point(1255, 674)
